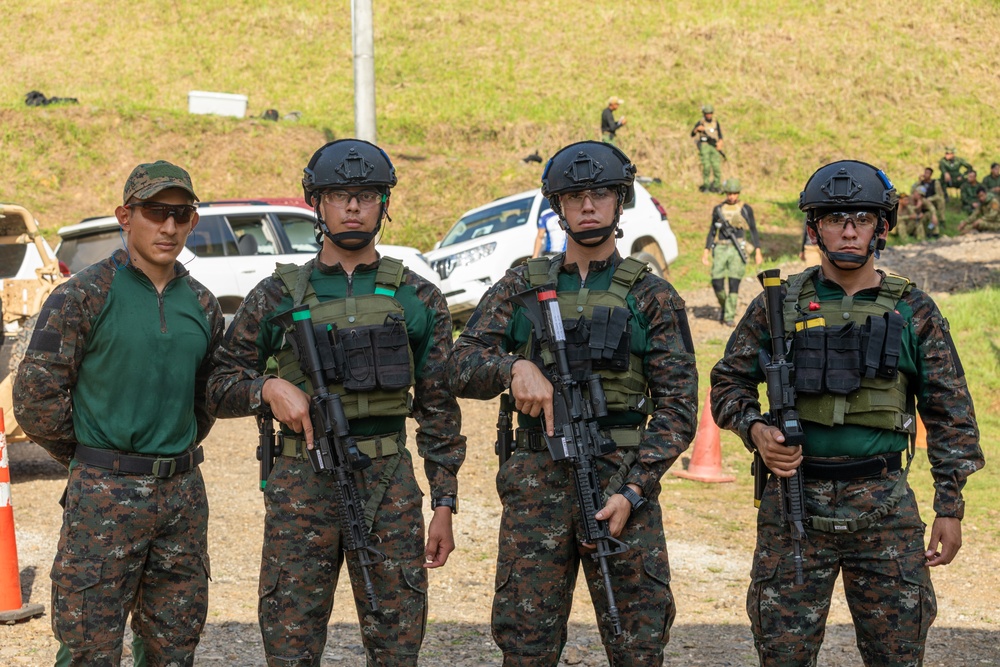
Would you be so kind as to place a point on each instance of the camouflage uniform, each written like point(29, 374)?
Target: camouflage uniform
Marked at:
point(129, 542)
point(302, 552)
point(986, 217)
point(956, 167)
point(992, 184)
point(915, 220)
point(967, 193)
point(540, 531)
point(886, 579)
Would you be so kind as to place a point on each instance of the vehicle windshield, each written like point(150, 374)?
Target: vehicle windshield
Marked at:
point(79, 252)
point(489, 221)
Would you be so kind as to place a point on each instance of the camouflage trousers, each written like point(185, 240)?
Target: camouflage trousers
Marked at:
point(711, 166)
point(303, 553)
point(539, 558)
point(886, 581)
point(136, 544)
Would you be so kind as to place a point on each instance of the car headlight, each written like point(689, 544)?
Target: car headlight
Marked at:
point(446, 265)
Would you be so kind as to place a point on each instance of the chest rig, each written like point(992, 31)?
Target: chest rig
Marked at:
point(733, 214)
point(362, 342)
point(846, 355)
point(598, 326)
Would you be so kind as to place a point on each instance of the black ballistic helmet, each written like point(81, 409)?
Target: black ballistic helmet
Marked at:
point(849, 185)
point(346, 163)
point(586, 165)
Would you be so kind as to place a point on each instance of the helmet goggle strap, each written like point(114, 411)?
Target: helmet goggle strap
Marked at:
point(602, 234)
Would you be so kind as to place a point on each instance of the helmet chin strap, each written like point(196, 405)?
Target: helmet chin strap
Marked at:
point(857, 260)
point(340, 240)
point(601, 233)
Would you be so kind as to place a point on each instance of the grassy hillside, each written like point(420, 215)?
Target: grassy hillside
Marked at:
point(464, 90)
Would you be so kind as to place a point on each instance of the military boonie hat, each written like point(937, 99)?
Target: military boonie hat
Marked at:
point(949, 149)
point(151, 177)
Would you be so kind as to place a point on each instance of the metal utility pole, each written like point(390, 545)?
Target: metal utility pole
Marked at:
point(364, 69)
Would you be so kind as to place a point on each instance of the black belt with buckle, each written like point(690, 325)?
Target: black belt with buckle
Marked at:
point(842, 470)
point(137, 464)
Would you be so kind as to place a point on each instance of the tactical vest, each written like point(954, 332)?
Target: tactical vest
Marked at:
point(846, 356)
point(598, 334)
point(362, 340)
point(711, 129)
point(733, 214)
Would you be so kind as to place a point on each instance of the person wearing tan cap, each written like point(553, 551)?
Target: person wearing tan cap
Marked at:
point(113, 386)
point(608, 123)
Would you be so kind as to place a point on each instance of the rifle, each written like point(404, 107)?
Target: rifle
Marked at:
point(712, 142)
point(727, 232)
point(504, 444)
point(577, 437)
point(334, 451)
point(782, 413)
point(266, 451)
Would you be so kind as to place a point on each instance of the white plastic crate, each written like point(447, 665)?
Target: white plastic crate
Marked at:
point(222, 104)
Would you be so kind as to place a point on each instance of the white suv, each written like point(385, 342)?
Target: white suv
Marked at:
point(234, 246)
point(488, 240)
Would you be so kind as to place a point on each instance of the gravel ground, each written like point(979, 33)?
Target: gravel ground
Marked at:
point(710, 544)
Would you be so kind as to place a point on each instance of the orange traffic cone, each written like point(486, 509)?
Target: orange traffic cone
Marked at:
point(921, 434)
point(706, 462)
point(11, 609)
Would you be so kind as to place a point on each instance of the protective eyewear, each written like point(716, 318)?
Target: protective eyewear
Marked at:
point(159, 212)
point(838, 220)
point(597, 195)
point(342, 198)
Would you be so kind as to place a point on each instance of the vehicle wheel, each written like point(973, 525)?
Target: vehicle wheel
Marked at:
point(654, 266)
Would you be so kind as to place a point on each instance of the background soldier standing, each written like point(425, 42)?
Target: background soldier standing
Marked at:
point(609, 126)
point(636, 326)
point(379, 310)
point(866, 347)
point(135, 526)
point(726, 248)
point(707, 135)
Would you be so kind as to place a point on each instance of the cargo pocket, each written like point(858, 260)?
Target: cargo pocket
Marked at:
point(913, 570)
point(657, 569)
point(765, 568)
point(76, 599)
point(416, 580)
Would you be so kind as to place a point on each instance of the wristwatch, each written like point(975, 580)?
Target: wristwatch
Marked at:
point(631, 496)
point(445, 501)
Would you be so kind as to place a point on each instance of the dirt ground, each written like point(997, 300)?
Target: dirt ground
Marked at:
point(710, 541)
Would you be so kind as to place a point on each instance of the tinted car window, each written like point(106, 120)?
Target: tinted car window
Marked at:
point(489, 221)
point(300, 231)
point(262, 241)
point(212, 238)
point(11, 258)
point(80, 252)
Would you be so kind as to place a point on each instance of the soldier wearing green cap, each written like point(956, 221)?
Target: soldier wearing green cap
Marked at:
point(113, 386)
point(707, 135)
point(726, 247)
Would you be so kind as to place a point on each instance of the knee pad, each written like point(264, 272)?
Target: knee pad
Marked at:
point(718, 285)
point(734, 285)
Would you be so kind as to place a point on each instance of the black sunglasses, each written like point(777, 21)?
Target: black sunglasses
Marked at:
point(159, 212)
